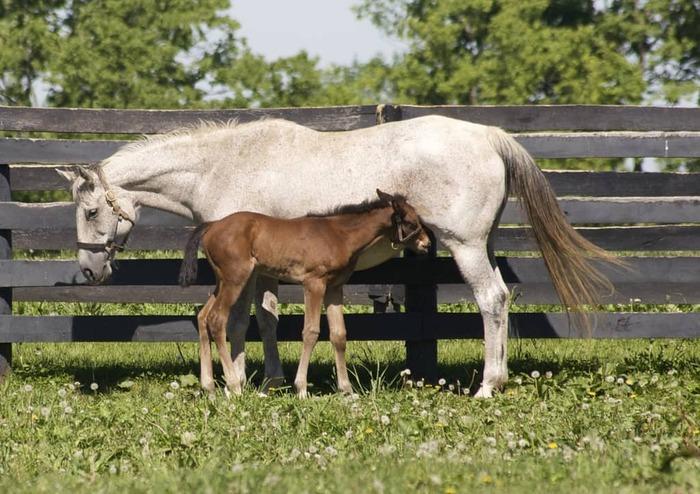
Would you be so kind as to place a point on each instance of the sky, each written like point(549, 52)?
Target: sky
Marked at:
point(328, 29)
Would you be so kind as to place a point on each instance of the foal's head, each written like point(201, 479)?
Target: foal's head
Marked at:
point(408, 231)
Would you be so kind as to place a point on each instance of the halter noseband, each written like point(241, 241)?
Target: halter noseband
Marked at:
point(110, 246)
point(400, 240)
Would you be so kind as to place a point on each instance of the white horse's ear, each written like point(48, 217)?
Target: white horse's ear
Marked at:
point(86, 174)
point(68, 174)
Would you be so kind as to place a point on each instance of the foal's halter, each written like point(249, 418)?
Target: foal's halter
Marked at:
point(400, 241)
point(111, 246)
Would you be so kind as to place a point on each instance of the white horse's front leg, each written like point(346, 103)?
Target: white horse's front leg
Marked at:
point(238, 322)
point(266, 315)
point(491, 295)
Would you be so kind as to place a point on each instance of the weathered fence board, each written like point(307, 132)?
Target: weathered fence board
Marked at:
point(566, 117)
point(61, 215)
point(565, 183)
point(562, 145)
point(413, 270)
point(522, 293)
point(513, 118)
point(395, 326)
point(109, 121)
point(631, 238)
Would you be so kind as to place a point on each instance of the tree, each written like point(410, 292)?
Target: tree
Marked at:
point(489, 51)
point(114, 53)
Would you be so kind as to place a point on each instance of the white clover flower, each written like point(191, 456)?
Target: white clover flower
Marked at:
point(548, 374)
point(27, 388)
point(169, 395)
point(610, 379)
point(395, 409)
point(384, 420)
point(313, 449)
point(405, 372)
point(585, 406)
point(415, 402)
point(497, 412)
point(68, 410)
point(423, 413)
point(294, 454)
point(620, 380)
point(535, 374)
point(491, 441)
point(442, 382)
point(113, 469)
point(523, 443)
point(512, 444)
point(349, 433)
point(174, 385)
point(419, 384)
point(94, 386)
point(144, 411)
point(187, 438)
point(63, 404)
point(409, 383)
point(518, 380)
point(143, 441)
point(62, 393)
point(331, 451)
point(45, 412)
point(451, 387)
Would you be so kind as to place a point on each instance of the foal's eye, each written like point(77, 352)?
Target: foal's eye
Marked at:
point(92, 214)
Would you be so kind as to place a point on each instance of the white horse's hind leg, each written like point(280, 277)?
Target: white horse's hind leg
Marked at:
point(267, 324)
point(491, 293)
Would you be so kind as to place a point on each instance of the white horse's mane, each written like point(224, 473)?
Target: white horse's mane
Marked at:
point(198, 129)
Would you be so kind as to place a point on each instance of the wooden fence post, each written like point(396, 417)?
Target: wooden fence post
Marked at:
point(421, 355)
point(5, 253)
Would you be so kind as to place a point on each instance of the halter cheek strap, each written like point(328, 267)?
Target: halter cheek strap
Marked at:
point(400, 241)
point(110, 246)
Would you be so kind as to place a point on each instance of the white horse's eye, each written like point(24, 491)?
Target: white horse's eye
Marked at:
point(92, 214)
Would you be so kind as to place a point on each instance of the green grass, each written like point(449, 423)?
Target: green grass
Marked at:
point(613, 417)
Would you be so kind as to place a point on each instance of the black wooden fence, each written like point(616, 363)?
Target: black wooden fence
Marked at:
point(648, 214)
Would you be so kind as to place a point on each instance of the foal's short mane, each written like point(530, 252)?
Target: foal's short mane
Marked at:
point(363, 207)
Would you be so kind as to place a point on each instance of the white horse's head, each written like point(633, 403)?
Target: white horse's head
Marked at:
point(104, 218)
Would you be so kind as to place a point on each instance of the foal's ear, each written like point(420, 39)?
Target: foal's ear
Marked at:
point(385, 197)
point(68, 173)
point(87, 175)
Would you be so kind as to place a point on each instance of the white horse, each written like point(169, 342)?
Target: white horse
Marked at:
point(456, 174)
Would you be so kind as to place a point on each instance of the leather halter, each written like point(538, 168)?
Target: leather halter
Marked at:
point(400, 241)
point(111, 246)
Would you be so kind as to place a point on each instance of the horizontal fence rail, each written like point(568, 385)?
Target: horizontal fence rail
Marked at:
point(550, 145)
point(656, 215)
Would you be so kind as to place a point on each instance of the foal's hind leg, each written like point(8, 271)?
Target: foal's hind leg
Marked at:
point(238, 322)
point(480, 271)
point(313, 296)
point(338, 335)
point(206, 372)
point(217, 320)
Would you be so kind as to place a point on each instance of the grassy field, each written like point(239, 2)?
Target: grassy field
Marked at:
point(577, 416)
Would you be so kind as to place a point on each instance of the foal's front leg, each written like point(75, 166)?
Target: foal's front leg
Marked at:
point(338, 335)
point(313, 296)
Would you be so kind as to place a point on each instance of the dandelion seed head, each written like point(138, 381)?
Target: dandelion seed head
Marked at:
point(27, 388)
point(442, 382)
point(45, 412)
point(548, 374)
point(174, 385)
point(535, 374)
point(62, 393)
point(169, 396)
point(385, 420)
point(94, 386)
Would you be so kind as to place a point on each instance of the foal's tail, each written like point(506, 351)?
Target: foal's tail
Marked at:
point(566, 254)
point(188, 270)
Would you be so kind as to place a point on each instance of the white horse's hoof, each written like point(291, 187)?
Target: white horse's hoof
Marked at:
point(484, 392)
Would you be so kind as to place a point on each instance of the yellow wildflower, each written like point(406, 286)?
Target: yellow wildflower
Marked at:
point(552, 445)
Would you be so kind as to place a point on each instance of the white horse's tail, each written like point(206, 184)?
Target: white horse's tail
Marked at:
point(566, 254)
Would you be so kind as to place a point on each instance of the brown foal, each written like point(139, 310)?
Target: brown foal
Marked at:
point(318, 251)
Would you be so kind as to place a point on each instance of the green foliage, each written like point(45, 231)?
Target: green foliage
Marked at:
point(494, 52)
point(591, 416)
point(113, 53)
